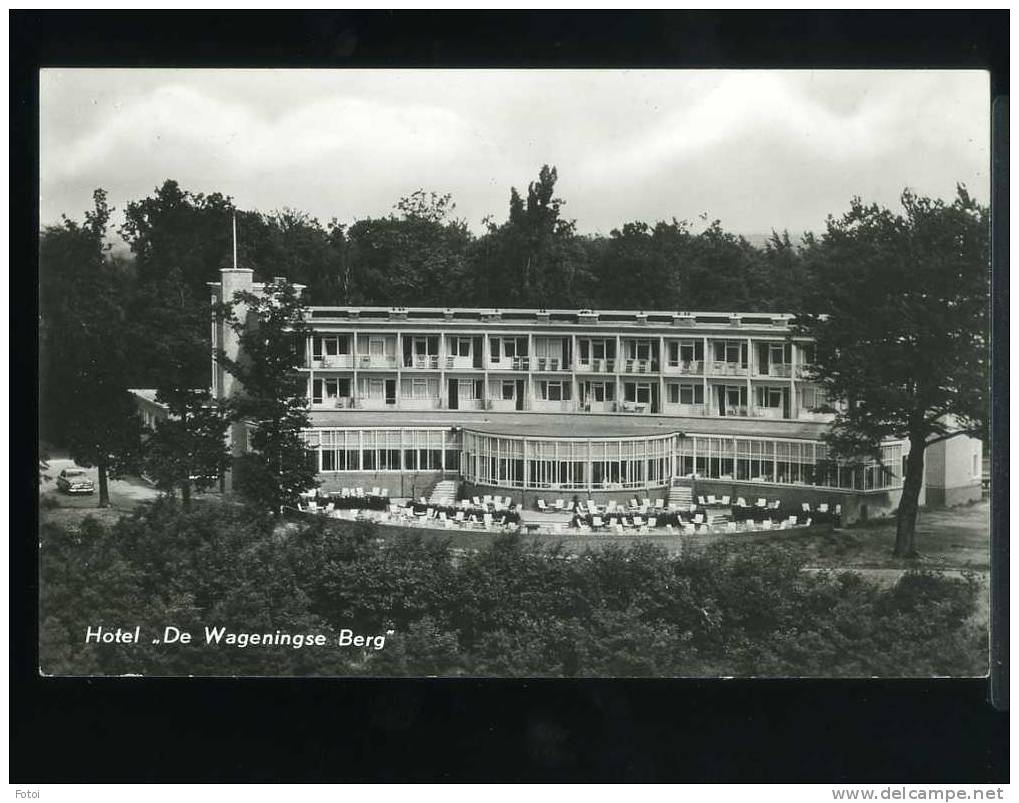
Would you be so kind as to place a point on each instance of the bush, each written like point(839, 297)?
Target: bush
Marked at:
point(512, 609)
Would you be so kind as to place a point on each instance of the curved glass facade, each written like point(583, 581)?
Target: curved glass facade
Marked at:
point(596, 463)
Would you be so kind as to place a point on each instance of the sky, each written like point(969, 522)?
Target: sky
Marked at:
point(759, 150)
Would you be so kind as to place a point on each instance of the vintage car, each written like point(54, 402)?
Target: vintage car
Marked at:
point(75, 481)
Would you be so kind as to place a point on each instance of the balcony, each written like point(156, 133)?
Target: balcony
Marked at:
point(547, 406)
point(341, 361)
point(767, 412)
point(672, 408)
point(687, 367)
point(725, 368)
point(511, 364)
point(376, 403)
point(599, 407)
point(548, 364)
point(776, 369)
point(373, 361)
point(598, 366)
point(639, 366)
point(332, 403)
point(470, 404)
point(430, 403)
point(423, 362)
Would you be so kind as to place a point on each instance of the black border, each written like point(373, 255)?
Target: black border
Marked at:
point(317, 730)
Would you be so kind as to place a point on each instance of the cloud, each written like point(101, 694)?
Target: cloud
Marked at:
point(757, 149)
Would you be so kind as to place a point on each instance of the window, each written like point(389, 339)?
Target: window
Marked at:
point(509, 348)
point(601, 391)
point(639, 392)
point(469, 389)
point(376, 389)
point(424, 388)
point(638, 349)
point(731, 351)
point(769, 397)
point(689, 350)
point(463, 347)
point(329, 346)
point(508, 391)
point(686, 393)
point(329, 390)
point(554, 390)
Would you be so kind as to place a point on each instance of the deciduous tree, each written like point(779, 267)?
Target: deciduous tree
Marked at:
point(899, 319)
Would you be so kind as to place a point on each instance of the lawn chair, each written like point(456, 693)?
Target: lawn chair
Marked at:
point(698, 518)
point(542, 506)
point(459, 517)
point(730, 527)
point(618, 528)
point(726, 500)
point(805, 507)
point(669, 529)
point(647, 502)
point(476, 501)
point(822, 508)
point(430, 513)
point(652, 522)
point(345, 492)
point(711, 499)
point(638, 521)
point(808, 522)
point(385, 493)
point(766, 524)
point(741, 502)
point(702, 501)
point(597, 522)
point(659, 504)
point(376, 492)
point(488, 520)
point(762, 502)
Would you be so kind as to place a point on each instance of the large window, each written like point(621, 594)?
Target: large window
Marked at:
point(329, 346)
point(686, 393)
point(638, 392)
point(770, 397)
point(554, 390)
point(329, 390)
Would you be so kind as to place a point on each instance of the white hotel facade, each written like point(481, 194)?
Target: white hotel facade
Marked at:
point(597, 403)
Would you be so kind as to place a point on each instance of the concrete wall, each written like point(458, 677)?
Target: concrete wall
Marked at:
point(410, 484)
point(953, 471)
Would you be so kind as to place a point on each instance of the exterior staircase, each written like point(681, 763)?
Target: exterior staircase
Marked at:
point(680, 492)
point(444, 493)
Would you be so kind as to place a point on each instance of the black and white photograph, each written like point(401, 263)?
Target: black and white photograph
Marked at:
point(514, 373)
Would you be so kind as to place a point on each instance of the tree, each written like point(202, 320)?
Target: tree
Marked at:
point(535, 258)
point(188, 448)
point(86, 328)
point(417, 257)
point(899, 320)
point(271, 399)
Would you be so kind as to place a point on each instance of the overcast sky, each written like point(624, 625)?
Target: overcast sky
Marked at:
point(760, 150)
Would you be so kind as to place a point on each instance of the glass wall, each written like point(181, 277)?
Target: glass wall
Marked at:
point(383, 449)
point(598, 463)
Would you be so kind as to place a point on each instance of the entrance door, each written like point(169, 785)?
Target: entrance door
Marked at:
point(454, 396)
point(520, 394)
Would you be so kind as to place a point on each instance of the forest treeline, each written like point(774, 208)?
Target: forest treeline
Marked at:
point(421, 254)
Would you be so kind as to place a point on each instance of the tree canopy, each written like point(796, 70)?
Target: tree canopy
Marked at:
point(898, 314)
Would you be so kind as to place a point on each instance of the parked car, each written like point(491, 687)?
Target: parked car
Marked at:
point(75, 481)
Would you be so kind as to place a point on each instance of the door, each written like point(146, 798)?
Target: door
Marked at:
point(454, 403)
point(520, 394)
point(390, 391)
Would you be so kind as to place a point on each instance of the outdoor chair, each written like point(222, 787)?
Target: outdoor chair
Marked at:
point(542, 506)
point(762, 502)
point(638, 521)
point(822, 508)
point(659, 504)
point(669, 529)
point(699, 518)
point(726, 500)
point(376, 492)
point(459, 516)
point(702, 501)
point(596, 521)
point(476, 501)
point(558, 504)
point(385, 493)
point(741, 502)
point(711, 499)
point(652, 522)
point(805, 507)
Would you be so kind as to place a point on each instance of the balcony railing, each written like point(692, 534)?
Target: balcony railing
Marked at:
point(639, 366)
point(777, 369)
point(688, 367)
point(767, 412)
point(422, 361)
point(598, 365)
point(724, 368)
point(549, 364)
point(375, 361)
point(332, 361)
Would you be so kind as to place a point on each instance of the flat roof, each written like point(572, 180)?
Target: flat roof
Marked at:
point(569, 425)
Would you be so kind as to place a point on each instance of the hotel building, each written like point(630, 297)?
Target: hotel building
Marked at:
point(596, 403)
